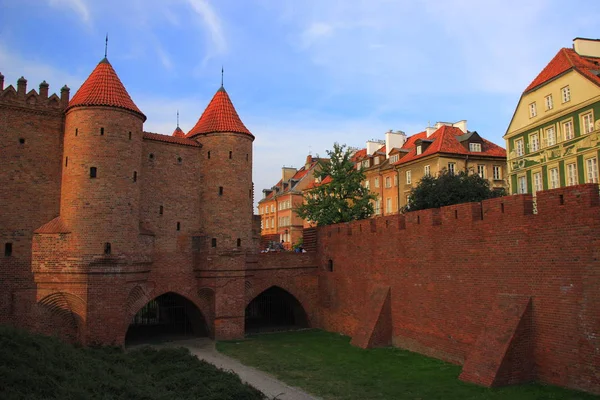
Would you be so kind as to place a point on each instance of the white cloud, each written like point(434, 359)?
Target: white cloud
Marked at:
point(78, 6)
point(315, 32)
point(211, 22)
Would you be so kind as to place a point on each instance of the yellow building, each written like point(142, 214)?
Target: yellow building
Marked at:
point(553, 137)
point(398, 164)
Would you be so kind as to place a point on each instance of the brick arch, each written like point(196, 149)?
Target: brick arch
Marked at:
point(256, 290)
point(65, 313)
point(139, 300)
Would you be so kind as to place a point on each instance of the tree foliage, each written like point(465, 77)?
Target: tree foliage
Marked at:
point(343, 198)
point(447, 189)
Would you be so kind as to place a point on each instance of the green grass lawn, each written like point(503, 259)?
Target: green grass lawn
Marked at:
point(38, 367)
point(326, 365)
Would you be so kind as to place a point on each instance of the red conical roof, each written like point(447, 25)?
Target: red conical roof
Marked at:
point(104, 88)
point(178, 132)
point(219, 116)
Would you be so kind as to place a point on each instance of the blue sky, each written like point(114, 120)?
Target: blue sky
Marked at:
point(301, 74)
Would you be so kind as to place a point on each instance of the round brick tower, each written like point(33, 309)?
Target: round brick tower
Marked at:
point(100, 193)
point(226, 181)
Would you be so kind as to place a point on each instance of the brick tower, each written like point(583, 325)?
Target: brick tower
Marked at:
point(226, 211)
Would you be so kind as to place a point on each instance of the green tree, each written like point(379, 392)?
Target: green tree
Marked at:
point(447, 189)
point(341, 197)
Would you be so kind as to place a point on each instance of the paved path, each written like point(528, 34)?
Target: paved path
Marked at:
point(204, 349)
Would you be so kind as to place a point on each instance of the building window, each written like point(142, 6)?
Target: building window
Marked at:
point(522, 187)
point(588, 122)
point(367, 184)
point(135, 176)
point(101, 131)
point(376, 160)
point(272, 207)
point(571, 174)
point(378, 206)
point(427, 170)
point(537, 182)
point(220, 190)
point(592, 170)
point(161, 210)
point(8, 249)
point(451, 168)
point(395, 180)
point(213, 242)
point(107, 248)
point(565, 94)
point(266, 223)
point(93, 172)
point(376, 181)
point(239, 242)
point(481, 171)
point(497, 172)
point(388, 182)
point(388, 205)
point(554, 178)
point(519, 147)
point(408, 177)
point(178, 226)
point(475, 147)
point(549, 102)
point(419, 149)
point(567, 128)
point(272, 222)
point(394, 158)
point(532, 110)
point(534, 142)
point(365, 163)
point(550, 136)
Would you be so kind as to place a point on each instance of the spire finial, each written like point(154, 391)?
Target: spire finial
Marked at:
point(177, 118)
point(106, 46)
point(222, 76)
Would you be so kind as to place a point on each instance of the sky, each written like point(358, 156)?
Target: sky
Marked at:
point(301, 74)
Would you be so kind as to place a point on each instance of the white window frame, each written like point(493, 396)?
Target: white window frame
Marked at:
point(550, 133)
point(427, 170)
point(497, 169)
point(481, 170)
point(395, 179)
point(475, 147)
point(367, 184)
point(591, 170)
point(394, 158)
point(587, 122)
point(519, 147)
point(378, 206)
point(419, 150)
point(532, 110)
point(522, 184)
point(565, 94)
point(451, 168)
point(568, 133)
point(409, 177)
point(538, 184)
point(572, 178)
point(388, 205)
point(376, 181)
point(534, 142)
point(376, 159)
point(388, 182)
point(553, 179)
point(549, 102)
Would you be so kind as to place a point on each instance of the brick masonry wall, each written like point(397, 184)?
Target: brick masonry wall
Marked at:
point(447, 266)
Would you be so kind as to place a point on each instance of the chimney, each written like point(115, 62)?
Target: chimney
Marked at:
point(44, 90)
point(287, 173)
point(430, 130)
point(462, 125)
point(21, 87)
point(587, 47)
point(1, 81)
point(374, 145)
point(394, 139)
point(64, 96)
point(308, 162)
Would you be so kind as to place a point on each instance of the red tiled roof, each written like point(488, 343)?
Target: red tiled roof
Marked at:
point(55, 226)
point(314, 184)
point(445, 141)
point(219, 116)
point(104, 88)
point(565, 60)
point(178, 133)
point(171, 139)
point(360, 154)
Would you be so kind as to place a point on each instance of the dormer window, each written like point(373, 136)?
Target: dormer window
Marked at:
point(365, 164)
point(376, 160)
point(475, 147)
point(419, 149)
point(394, 158)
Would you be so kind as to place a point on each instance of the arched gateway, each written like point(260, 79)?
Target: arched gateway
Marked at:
point(167, 317)
point(275, 309)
